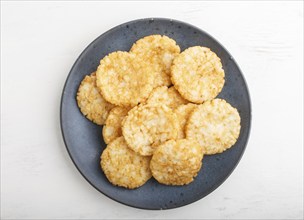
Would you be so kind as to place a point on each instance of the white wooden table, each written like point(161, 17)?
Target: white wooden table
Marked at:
point(41, 40)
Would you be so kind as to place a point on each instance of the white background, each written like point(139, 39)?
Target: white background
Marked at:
point(40, 42)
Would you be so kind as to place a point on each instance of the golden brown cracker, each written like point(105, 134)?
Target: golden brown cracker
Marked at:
point(147, 126)
point(183, 112)
point(124, 80)
point(176, 162)
point(197, 74)
point(159, 51)
point(123, 167)
point(112, 128)
point(91, 102)
point(215, 125)
point(166, 96)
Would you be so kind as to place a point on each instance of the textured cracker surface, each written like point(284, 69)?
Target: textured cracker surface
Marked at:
point(90, 101)
point(147, 126)
point(166, 96)
point(183, 112)
point(123, 167)
point(159, 51)
point(176, 162)
point(197, 74)
point(112, 128)
point(124, 80)
point(215, 125)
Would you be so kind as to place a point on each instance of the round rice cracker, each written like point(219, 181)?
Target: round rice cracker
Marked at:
point(215, 125)
point(147, 126)
point(197, 74)
point(176, 162)
point(124, 80)
point(183, 113)
point(112, 128)
point(123, 167)
point(91, 103)
point(159, 51)
point(166, 96)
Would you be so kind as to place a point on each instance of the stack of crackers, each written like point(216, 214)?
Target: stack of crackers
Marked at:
point(159, 111)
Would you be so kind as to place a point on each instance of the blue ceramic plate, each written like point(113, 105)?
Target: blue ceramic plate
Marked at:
point(84, 141)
